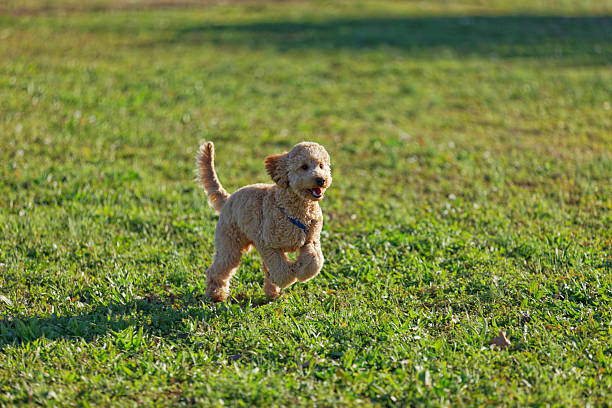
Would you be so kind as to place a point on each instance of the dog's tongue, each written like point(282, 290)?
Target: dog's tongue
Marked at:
point(317, 191)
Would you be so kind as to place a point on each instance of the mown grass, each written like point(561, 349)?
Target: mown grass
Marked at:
point(471, 144)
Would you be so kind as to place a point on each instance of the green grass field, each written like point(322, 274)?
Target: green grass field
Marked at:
point(472, 157)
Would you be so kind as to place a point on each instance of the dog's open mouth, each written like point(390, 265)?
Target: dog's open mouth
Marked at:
point(316, 192)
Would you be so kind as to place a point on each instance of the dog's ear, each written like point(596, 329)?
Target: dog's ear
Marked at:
point(276, 166)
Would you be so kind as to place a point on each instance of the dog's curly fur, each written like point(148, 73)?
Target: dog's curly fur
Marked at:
point(260, 215)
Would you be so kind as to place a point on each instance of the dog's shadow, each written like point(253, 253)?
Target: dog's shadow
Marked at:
point(164, 317)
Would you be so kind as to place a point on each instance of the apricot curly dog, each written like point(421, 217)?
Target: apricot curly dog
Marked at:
point(275, 218)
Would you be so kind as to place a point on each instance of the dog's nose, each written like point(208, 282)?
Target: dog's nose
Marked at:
point(320, 181)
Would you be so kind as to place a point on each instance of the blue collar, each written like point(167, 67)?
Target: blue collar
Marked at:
point(295, 222)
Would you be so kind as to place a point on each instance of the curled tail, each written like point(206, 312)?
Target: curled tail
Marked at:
point(217, 196)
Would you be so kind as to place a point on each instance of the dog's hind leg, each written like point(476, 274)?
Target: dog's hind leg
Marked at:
point(228, 254)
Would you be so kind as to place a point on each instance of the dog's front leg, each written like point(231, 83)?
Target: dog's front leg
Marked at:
point(280, 269)
point(309, 261)
point(270, 289)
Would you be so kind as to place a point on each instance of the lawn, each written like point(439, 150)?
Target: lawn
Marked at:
point(471, 146)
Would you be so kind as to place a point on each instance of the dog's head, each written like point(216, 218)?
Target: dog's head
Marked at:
point(305, 170)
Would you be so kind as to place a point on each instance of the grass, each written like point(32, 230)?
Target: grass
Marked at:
point(472, 152)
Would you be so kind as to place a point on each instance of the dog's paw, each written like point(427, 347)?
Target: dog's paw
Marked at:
point(308, 265)
point(216, 292)
point(282, 280)
point(271, 290)
point(308, 274)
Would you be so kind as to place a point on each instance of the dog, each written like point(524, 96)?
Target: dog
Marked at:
point(274, 218)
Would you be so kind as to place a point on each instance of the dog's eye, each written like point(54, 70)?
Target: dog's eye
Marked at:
point(321, 165)
point(304, 167)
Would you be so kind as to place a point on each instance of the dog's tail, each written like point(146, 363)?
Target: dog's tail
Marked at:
point(217, 196)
